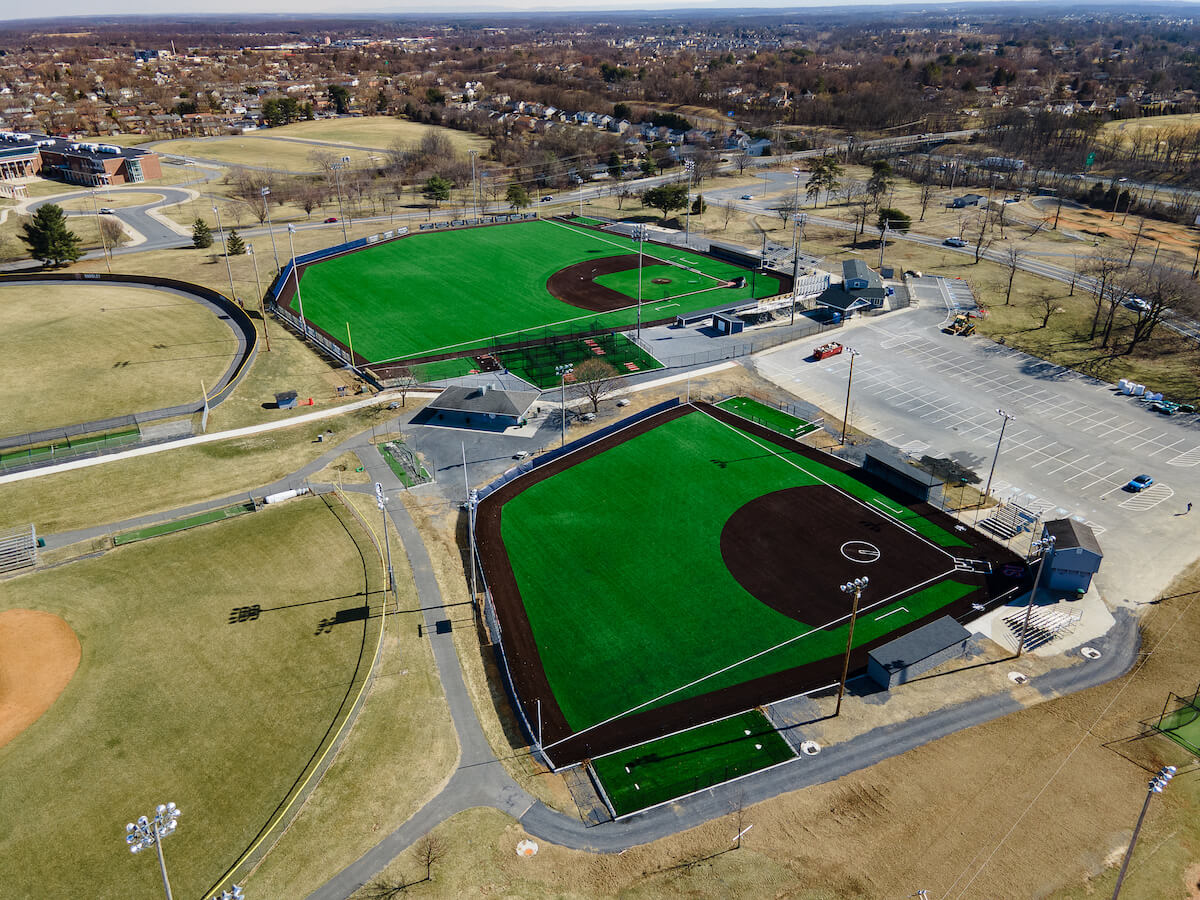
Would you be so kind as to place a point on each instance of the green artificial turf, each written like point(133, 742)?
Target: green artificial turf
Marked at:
point(539, 365)
point(651, 608)
point(72, 446)
point(442, 369)
point(767, 416)
point(464, 289)
point(204, 518)
point(1183, 727)
point(680, 764)
point(586, 220)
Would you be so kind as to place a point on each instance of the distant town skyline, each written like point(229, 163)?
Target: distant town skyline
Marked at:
point(11, 10)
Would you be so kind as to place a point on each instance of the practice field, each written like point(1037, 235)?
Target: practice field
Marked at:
point(216, 665)
point(767, 416)
point(464, 289)
point(683, 763)
point(371, 131)
point(689, 567)
point(79, 352)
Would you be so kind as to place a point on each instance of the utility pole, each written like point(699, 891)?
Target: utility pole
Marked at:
point(103, 241)
point(262, 301)
point(849, 381)
point(265, 192)
point(883, 241)
point(228, 267)
point(1045, 546)
point(987, 492)
point(337, 174)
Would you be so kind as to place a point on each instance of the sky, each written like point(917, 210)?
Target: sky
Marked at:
point(22, 9)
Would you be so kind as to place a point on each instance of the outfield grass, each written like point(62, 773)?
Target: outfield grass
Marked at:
point(767, 416)
point(172, 702)
point(683, 763)
point(656, 608)
point(78, 352)
point(463, 289)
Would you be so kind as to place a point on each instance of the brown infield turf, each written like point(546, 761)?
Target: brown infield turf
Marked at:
point(788, 544)
point(576, 284)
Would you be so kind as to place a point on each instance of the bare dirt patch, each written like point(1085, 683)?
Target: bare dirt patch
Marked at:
point(39, 654)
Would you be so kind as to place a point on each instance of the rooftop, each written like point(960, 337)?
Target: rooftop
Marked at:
point(485, 400)
point(1069, 535)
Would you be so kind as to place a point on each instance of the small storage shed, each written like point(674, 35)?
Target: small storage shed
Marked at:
point(725, 323)
point(1076, 556)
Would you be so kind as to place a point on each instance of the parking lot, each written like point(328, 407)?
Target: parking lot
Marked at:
point(1071, 446)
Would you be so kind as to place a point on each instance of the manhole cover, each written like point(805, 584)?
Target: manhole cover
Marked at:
point(527, 848)
point(1090, 652)
point(1018, 678)
point(810, 748)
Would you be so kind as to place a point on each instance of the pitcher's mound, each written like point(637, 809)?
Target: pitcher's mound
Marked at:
point(38, 655)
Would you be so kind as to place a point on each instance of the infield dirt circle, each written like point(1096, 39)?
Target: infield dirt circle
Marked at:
point(39, 654)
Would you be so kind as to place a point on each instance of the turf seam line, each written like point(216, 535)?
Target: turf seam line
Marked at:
point(862, 503)
point(862, 609)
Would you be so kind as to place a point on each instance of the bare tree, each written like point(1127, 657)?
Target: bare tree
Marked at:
point(1104, 271)
point(430, 850)
point(737, 809)
point(983, 239)
point(113, 231)
point(787, 208)
point(1012, 262)
point(595, 380)
point(1135, 239)
point(1164, 288)
point(404, 380)
point(726, 214)
point(1076, 271)
point(740, 160)
point(927, 192)
point(1047, 306)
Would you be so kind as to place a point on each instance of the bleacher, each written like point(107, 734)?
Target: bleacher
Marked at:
point(18, 548)
point(1044, 626)
point(1008, 520)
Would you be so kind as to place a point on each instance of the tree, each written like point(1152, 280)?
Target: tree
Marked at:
point(201, 235)
point(1164, 288)
point(741, 159)
point(896, 220)
point(983, 238)
point(430, 851)
point(1012, 262)
point(1047, 306)
point(517, 197)
point(647, 166)
point(595, 380)
point(881, 180)
point(698, 205)
point(112, 231)
point(667, 198)
point(927, 191)
point(614, 165)
point(339, 96)
point(436, 189)
point(823, 175)
point(48, 237)
point(787, 208)
point(234, 245)
point(1103, 271)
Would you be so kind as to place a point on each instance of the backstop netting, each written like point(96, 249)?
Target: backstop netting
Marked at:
point(1180, 721)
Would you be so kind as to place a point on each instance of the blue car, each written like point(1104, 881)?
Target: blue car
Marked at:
point(1139, 483)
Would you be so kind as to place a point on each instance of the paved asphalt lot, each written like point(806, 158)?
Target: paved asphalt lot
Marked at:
point(1072, 446)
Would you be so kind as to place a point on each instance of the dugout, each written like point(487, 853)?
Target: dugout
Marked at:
point(735, 255)
point(724, 323)
point(890, 467)
point(910, 655)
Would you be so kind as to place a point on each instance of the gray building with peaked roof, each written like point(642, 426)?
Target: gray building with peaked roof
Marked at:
point(484, 405)
point(1076, 556)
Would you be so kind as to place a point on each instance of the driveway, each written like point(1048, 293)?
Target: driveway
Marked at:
point(1072, 445)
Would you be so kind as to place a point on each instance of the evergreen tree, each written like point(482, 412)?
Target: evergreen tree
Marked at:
point(48, 237)
point(437, 189)
point(517, 196)
point(201, 235)
point(698, 205)
point(234, 245)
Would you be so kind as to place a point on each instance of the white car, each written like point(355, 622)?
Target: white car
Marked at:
point(954, 242)
point(106, 211)
point(747, 196)
point(1137, 304)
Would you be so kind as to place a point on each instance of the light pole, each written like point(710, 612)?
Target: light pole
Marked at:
point(1157, 783)
point(296, 276)
point(1116, 198)
point(225, 246)
point(262, 302)
point(337, 175)
point(234, 893)
point(146, 832)
point(883, 240)
point(854, 587)
point(639, 232)
point(849, 381)
point(689, 166)
point(801, 218)
point(474, 193)
point(100, 228)
point(1045, 546)
point(796, 173)
point(265, 192)
point(562, 372)
point(987, 492)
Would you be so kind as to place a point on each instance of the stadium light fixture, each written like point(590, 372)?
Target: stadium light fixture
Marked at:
point(296, 277)
point(562, 371)
point(228, 267)
point(639, 234)
point(474, 190)
point(233, 893)
point(265, 192)
point(797, 232)
point(1045, 547)
point(1157, 783)
point(854, 587)
point(849, 381)
point(689, 166)
point(987, 492)
point(148, 832)
point(797, 173)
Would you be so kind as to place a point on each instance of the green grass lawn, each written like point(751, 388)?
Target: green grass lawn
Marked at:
point(173, 702)
point(653, 609)
point(767, 416)
point(204, 518)
point(673, 766)
point(462, 289)
point(537, 365)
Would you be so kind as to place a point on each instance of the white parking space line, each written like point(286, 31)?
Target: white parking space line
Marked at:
point(1188, 458)
point(1149, 498)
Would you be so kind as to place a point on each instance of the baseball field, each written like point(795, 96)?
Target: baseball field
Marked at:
point(457, 290)
point(689, 566)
